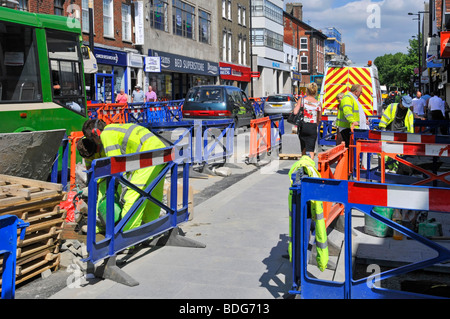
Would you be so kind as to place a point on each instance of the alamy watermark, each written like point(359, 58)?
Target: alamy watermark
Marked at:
point(374, 18)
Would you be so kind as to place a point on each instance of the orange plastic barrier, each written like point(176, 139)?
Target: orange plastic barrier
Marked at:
point(393, 149)
point(260, 136)
point(74, 137)
point(112, 113)
point(339, 155)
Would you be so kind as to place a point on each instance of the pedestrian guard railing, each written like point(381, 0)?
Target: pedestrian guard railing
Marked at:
point(149, 112)
point(265, 136)
point(361, 196)
point(399, 147)
point(333, 164)
point(10, 226)
point(112, 170)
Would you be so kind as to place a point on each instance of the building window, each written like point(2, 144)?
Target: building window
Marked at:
point(59, 7)
point(158, 15)
point(268, 38)
point(23, 5)
point(304, 44)
point(304, 63)
point(204, 26)
point(183, 19)
point(224, 9)
point(229, 10)
point(244, 51)
point(240, 49)
point(243, 19)
point(264, 8)
point(126, 22)
point(224, 45)
point(85, 15)
point(108, 19)
point(230, 39)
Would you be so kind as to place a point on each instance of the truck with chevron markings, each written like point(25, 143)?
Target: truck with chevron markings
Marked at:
point(340, 77)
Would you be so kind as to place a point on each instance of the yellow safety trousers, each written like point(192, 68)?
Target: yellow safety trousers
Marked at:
point(121, 139)
point(322, 258)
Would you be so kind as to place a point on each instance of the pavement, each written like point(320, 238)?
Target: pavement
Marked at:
point(242, 219)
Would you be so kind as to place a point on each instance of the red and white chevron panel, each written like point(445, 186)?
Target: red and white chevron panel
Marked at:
point(402, 137)
point(403, 148)
point(404, 197)
point(141, 160)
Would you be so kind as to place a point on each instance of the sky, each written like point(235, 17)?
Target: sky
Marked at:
point(369, 28)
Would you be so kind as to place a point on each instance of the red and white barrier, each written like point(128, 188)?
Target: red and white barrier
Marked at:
point(420, 198)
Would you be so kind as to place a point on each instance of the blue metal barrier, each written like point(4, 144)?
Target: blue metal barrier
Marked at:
point(9, 225)
point(208, 141)
point(259, 108)
point(327, 133)
point(363, 197)
point(61, 163)
point(432, 126)
point(155, 112)
point(112, 169)
point(277, 131)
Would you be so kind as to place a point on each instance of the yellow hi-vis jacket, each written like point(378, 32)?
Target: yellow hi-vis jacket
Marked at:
point(122, 139)
point(309, 168)
point(389, 116)
point(348, 111)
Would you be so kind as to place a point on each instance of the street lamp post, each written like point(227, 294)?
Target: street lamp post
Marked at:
point(419, 45)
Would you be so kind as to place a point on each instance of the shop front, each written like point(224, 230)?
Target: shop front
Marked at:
point(111, 76)
point(236, 75)
point(179, 73)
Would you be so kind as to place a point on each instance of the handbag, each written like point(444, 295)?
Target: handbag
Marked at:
point(296, 119)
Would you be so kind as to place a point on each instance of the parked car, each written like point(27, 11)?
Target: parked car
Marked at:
point(208, 102)
point(279, 104)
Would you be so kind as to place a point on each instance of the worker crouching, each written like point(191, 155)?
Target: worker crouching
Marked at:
point(101, 140)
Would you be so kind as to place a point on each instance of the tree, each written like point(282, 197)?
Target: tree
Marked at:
point(397, 69)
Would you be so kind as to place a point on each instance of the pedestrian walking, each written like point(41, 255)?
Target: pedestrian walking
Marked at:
point(312, 110)
point(150, 95)
point(122, 97)
point(418, 106)
point(137, 96)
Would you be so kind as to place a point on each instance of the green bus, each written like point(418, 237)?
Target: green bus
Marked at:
point(41, 73)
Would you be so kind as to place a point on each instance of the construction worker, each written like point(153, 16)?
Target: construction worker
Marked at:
point(398, 117)
point(306, 167)
point(122, 139)
point(350, 114)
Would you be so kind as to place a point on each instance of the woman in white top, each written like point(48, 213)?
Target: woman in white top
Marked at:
point(312, 110)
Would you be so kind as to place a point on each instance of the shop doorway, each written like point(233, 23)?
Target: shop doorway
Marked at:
point(104, 88)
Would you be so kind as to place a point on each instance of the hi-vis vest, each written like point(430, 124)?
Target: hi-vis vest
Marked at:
point(348, 112)
point(121, 139)
point(389, 116)
point(308, 166)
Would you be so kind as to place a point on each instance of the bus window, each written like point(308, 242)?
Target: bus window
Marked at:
point(19, 68)
point(65, 66)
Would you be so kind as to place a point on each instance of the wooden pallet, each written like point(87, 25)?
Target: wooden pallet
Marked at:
point(289, 156)
point(37, 203)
